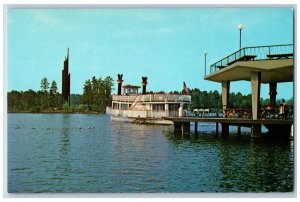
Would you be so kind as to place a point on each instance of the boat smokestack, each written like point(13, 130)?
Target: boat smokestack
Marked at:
point(144, 84)
point(120, 83)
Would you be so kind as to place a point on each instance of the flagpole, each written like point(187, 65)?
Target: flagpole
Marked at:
point(205, 53)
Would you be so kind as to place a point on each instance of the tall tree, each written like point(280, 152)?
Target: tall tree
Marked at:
point(97, 92)
point(108, 84)
point(44, 89)
point(53, 94)
point(87, 93)
point(44, 85)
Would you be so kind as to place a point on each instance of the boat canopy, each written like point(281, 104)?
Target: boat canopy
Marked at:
point(129, 89)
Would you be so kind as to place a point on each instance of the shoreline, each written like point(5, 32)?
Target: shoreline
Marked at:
point(52, 112)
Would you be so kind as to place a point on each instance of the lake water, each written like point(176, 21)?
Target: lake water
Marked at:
point(71, 153)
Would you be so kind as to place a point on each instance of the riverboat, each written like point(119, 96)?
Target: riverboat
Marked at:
point(153, 108)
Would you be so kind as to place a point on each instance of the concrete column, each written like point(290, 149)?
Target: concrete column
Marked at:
point(273, 93)
point(225, 94)
point(180, 113)
point(255, 85)
point(166, 109)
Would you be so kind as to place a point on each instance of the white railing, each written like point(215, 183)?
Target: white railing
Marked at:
point(152, 98)
point(136, 100)
point(165, 98)
point(140, 113)
point(124, 98)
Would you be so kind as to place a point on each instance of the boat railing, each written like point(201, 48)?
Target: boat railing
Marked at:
point(152, 98)
point(124, 98)
point(255, 53)
point(166, 98)
point(135, 101)
point(141, 113)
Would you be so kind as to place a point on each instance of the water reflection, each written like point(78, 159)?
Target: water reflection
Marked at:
point(64, 151)
point(63, 164)
point(244, 165)
point(120, 157)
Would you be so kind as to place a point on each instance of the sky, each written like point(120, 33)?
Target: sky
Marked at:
point(165, 44)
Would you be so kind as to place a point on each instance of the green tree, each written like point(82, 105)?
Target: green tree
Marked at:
point(44, 85)
point(108, 84)
point(97, 93)
point(195, 96)
point(45, 97)
point(14, 101)
point(53, 94)
point(29, 99)
point(87, 93)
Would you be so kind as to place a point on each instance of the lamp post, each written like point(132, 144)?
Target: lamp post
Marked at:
point(205, 53)
point(240, 27)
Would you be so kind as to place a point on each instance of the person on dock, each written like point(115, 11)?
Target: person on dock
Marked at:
point(270, 112)
point(263, 112)
point(283, 109)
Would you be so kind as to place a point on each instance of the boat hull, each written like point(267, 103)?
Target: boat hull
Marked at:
point(159, 121)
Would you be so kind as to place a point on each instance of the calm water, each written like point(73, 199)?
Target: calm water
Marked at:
point(90, 153)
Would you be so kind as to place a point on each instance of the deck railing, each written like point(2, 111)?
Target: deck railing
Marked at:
point(262, 113)
point(255, 53)
point(152, 98)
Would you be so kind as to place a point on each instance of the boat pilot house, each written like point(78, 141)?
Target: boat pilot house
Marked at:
point(129, 89)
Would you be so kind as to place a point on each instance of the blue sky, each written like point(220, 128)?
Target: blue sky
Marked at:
point(165, 44)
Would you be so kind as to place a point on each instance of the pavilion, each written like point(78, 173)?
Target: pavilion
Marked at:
point(262, 64)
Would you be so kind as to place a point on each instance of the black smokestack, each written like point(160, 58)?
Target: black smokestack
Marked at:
point(120, 83)
point(144, 83)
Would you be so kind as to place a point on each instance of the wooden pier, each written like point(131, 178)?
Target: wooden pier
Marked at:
point(268, 67)
point(274, 126)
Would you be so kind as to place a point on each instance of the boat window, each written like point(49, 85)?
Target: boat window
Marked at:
point(158, 107)
point(174, 106)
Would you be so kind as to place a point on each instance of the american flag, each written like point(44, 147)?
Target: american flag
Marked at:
point(185, 88)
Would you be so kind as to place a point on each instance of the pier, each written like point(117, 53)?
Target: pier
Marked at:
point(275, 126)
point(261, 64)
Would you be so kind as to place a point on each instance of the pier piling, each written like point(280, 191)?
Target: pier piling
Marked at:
point(182, 129)
point(225, 130)
point(239, 131)
point(276, 127)
point(256, 131)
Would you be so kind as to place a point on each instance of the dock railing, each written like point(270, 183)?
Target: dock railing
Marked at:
point(263, 113)
point(255, 53)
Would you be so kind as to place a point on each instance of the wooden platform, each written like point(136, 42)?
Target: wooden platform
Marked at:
point(233, 121)
point(277, 127)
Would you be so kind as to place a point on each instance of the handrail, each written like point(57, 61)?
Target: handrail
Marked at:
point(134, 102)
point(255, 53)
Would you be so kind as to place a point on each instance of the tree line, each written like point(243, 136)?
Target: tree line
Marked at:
point(96, 96)
point(213, 100)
